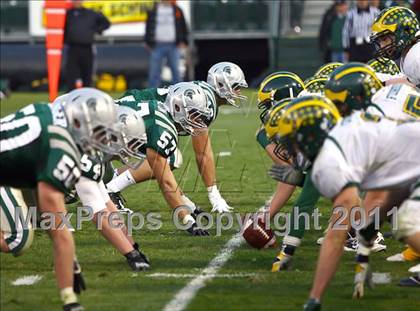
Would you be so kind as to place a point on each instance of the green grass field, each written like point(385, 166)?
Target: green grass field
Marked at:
point(244, 183)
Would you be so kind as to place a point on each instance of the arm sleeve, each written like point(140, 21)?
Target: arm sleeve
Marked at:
point(102, 23)
point(262, 139)
point(90, 194)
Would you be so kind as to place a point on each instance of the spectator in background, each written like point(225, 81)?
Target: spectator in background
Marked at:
point(324, 32)
point(166, 34)
point(377, 4)
point(333, 32)
point(337, 25)
point(79, 35)
point(357, 30)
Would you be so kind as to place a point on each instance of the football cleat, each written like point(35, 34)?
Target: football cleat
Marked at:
point(413, 281)
point(415, 269)
point(312, 305)
point(351, 244)
point(73, 307)
point(407, 255)
point(195, 230)
point(137, 247)
point(137, 260)
point(118, 200)
point(282, 262)
point(379, 243)
point(396, 258)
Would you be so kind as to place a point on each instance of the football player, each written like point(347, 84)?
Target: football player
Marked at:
point(90, 187)
point(274, 88)
point(385, 69)
point(396, 101)
point(46, 158)
point(395, 34)
point(224, 83)
point(185, 110)
point(346, 155)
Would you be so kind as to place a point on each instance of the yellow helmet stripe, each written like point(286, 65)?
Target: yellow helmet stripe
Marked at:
point(314, 81)
point(358, 69)
point(379, 26)
point(387, 13)
point(293, 76)
point(336, 96)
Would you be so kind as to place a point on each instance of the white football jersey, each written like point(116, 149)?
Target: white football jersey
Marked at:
point(410, 64)
point(396, 101)
point(367, 151)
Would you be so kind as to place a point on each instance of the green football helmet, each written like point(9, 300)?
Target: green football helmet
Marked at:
point(303, 125)
point(384, 65)
point(352, 86)
point(326, 69)
point(394, 30)
point(278, 86)
point(315, 85)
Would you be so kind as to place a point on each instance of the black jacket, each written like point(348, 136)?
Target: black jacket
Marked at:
point(180, 26)
point(82, 24)
point(325, 29)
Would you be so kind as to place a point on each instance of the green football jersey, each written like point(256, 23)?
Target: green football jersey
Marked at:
point(262, 138)
point(162, 135)
point(93, 166)
point(33, 149)
point(159, 94)
point(143, 95)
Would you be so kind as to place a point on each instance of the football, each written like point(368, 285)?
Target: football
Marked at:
point(257, 236)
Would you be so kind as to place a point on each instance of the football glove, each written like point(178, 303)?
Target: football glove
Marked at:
point(78, 280)
point(218, 203)
point(363, 276)
point(286, 174)
point(137, 260)
point(195, 230)
point(312, 305)
point(73, 307)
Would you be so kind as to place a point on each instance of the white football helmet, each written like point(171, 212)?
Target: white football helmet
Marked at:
point(133, 132)
point(92, 120)
point(227, 79)
point(187, 104)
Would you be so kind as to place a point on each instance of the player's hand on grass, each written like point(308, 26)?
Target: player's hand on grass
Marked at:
point(363, 276)
point(195, 230)
point(78, 281)
point(286, 174)
point(219, 204)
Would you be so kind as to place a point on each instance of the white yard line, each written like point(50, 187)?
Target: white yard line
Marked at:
point(191, 275)
point(27, 280)
point(186, 294)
